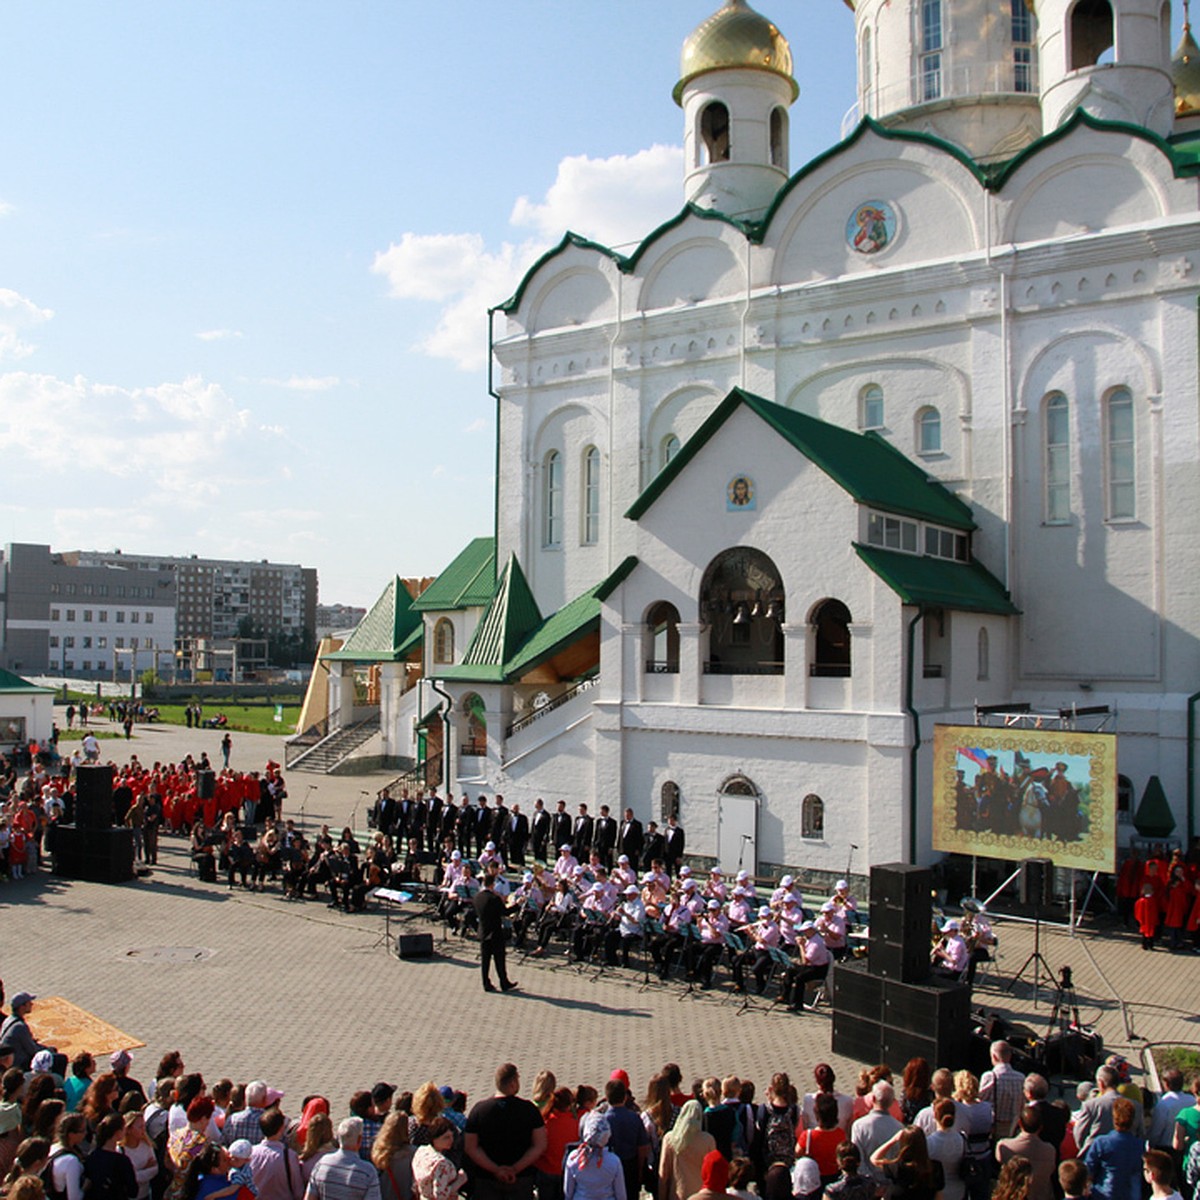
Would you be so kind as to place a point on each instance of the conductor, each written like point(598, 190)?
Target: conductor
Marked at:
point(489, 908)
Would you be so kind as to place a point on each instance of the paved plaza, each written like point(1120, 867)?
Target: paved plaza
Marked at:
point(308, 998)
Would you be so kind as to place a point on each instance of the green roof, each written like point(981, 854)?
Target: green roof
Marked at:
point(388, 632)
point(1154, 818)
point(468, 582)
point(871, 469)
point(511, 616)
point(11, 684)
point(939, 582)
point(549, 637)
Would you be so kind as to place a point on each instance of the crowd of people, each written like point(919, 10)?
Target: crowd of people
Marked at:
point(71, 1131)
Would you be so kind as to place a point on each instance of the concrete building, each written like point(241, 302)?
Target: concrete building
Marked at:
point(836, 455)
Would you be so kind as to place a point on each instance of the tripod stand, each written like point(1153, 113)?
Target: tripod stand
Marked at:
point(1065, 1002)
point(1036, 959)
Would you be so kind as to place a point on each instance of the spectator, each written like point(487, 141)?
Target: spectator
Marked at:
point(138, 1148)
point(876, 1128)
point(392, 1155)
point(850, 1185)
point(1158, 1167)
point(247, 1122)
point(562, 1128)
point(948, 1146)
point(714, 1175)
point(1114, 1159)
point(1003, 1087)
point(629, 1141)
point(66, 1159)
point(907, 1167)
point(1167, 1109)
point(1014, 1181)
point(1028, 1143)
point(683, 1153)
point(592, 1172)
point(83, 1066)
point(275, 1167)
point(821, 1144)
point(505, 1136)
point(343, 1175)
point(319, 1141)
point(107, 1173)
point(435, 1177)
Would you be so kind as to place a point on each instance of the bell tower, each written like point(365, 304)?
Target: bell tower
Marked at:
point(1111, 58)
point(735, 89)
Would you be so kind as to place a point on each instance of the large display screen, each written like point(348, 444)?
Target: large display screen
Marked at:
point(1026, 793)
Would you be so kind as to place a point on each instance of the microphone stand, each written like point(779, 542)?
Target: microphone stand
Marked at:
point(312, 787)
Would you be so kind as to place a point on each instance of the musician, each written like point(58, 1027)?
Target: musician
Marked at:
point(713, 926)
point(604, 836)
point(693, 897)
point(741, 907)
point(629, 929)
point(659, 872)
point(560, 824)
point(951, 956)
point(630, 838)
point(831, 924)
point(495, 872)
point(977, 933)
point(345, 877)
point(454, 875)
point(673, 850)
point(623, 873)
point(540, 829)
point(677, 919)
point(294, 857)
point(654, 847)
point(599, 900)
point(842, 898)
point(559, 914)
point(516, 836)
point(449, 825)
point(814, 964)
point(566, 865)
point(490, 855)
point(790, 916)
point(525, 906)
point(654, 894)
point(405, 818)
point(240, 859)
point(716, 888)
point(764, 937)
point(581, 832)
point(787, 887)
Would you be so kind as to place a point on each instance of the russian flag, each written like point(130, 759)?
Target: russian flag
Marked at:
point(975, 755)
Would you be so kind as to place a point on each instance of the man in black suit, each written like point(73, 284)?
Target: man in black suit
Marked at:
point(433, 822)
point(516, 836)
point(404, 820)
point(581, 834)
point(656, 846)
point(604, 837)
point(630, 837)
point(560, 826)
point(675, 841)
point(489, 908)
point(499, 822)
point(449, 827)
point(483, 826)
point(540, 829)
point(464, 829)
point(385, 812)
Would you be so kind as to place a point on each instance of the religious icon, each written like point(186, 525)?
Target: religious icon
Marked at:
point(739, 495)
point(871, 227)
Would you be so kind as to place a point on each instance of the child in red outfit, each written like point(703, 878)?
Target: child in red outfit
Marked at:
point(1146, 913)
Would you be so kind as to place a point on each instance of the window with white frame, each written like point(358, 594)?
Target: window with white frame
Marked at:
point(1122, 504)
point(870, 406)
point(929, 431)
point(668, 450)
point(552, 500)
point(1022, 37)
point(812, 817)
point(931, 50)
point(590, 533)
point(893, 533)
point(1058, 460)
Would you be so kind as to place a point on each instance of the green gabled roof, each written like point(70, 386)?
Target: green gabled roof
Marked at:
point(939, 582)
point(387, 632)
point(14, 684)
point(1154, 818)
point(871, 469)
point(468, 582)
point(551, 636)
point(511, 616)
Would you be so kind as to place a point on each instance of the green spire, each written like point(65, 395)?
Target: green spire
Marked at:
point(1154, 818)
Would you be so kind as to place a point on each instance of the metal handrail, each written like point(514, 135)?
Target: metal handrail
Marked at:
point(582, 686)
point(662, 667)
point(758, 668)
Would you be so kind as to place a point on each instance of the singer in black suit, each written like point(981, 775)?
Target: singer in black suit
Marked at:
point(516, 836)
point(675, 843)
point(560, 828)
point(630, 838)
point(540, 830)
point(604, 837)
point(581, 834)
point(656, 847)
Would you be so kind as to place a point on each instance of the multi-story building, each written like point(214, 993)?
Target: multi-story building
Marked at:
point(334, 618)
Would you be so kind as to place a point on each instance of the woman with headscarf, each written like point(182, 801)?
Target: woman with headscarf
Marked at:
point(714, 1174)
point(312, 1106)
point(592, 1171)
point(683, 1151)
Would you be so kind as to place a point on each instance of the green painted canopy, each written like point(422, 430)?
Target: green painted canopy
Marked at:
point(468, 582)
point(388, 633)
point(939, 582)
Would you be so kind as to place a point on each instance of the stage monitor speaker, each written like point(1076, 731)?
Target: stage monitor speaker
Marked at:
point(93, 796)
point(414, 945)
point(206, 785)
point(857, 1038)
point(901, 922)
point(857, 993)
point(1037, 882)
point(95, 855)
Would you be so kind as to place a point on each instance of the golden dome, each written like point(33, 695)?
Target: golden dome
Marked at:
point(736, 36)
point(1185, 69)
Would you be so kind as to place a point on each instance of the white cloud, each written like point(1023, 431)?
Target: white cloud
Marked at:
point(305, 383)
point(6, 209)
point(610, 200)
point(17, 315)
point(218, 335)
point(479, 425)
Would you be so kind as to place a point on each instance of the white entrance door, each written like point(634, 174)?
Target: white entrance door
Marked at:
point(737, 834)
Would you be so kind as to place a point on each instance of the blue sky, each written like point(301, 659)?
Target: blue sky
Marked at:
point(246, 251)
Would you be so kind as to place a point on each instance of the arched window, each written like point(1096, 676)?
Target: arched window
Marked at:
point(714, 132)
point(668, 800)
point(1058, 459)
point(929, 431)
point(867, 63)
point(812, 817)
point(668, 450)
point(552, 500)
point(443, 641)
point(870, 407)
point(475, 743)
point(662, 630)
point(1091, 33)
point(931, 49)
point(742, 601)
point(779, 128)
point(1122, 499)
point(982, 651)
point(1022, 37)
point(831, 645)
point(738, 785)
point(590, 534)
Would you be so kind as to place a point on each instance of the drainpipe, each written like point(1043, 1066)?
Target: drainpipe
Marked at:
point(491, 387)
point(909, 688)
point(1191, 764)
point(433, 683)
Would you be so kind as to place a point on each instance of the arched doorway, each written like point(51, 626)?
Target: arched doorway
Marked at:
point(474, 742)
point(737, 825)
point(742, 602)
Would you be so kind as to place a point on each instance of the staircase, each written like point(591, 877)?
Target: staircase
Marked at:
point(336, 747)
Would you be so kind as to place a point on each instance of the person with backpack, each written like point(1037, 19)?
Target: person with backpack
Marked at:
point(63, 1174)
point(776, 1125)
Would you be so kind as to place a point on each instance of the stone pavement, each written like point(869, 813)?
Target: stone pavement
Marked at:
point(252, 985)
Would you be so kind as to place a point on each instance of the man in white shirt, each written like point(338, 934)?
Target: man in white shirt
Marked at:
point(1169, 1105)
point(876, 1128)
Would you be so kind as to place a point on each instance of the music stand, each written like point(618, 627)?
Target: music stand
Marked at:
point(388, 896)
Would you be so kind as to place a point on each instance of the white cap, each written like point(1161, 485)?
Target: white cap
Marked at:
point(717, 871)
point(786, 881)
point(623, 860)
point(743, 874)
point(648, 877)
point(714, 904)
point(456, 856)
point(951, 926)
point(565, 848)
point(527, 877)
point(828, 906)
point(684, 871)
point(631, 890)
point(689, 885)
point(805, 927)
point(765, 911)
point(841, 885)
point(490, 846)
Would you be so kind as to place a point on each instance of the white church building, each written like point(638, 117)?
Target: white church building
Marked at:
point(839, 453)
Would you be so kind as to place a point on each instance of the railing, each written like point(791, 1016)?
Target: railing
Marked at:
point(424, 775)
point(949, 83)
point(296, 746)
point(582, 686)
point(829, 670)
point(758, 668)
point(655, 667)
point(473, 750)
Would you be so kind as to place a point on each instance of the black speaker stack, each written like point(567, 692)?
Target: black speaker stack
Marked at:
point(896, 1009)
point(1037, 882)
point(414, 945)
point(92, 848)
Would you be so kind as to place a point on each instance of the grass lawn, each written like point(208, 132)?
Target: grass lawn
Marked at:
point(243, 718)
point(77, 735)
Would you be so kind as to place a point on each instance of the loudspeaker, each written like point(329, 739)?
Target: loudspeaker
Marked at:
point(96, 855)
point(206, 785)
point(857, 993)
point(1037, 882)
point(414, 945)
point(856, 1038)
point(901, 920)
point(93, 796)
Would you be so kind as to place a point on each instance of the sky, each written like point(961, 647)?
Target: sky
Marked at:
point(247, 249)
